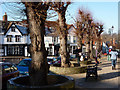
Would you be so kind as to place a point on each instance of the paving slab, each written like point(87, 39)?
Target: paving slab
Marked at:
point(107, 78)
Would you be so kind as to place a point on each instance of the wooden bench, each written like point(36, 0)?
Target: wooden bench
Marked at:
point(91, 71)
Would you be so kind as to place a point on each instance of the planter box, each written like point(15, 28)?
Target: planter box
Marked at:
point(68, 70)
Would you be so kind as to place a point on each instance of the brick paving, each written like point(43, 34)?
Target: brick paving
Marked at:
point(107, 78)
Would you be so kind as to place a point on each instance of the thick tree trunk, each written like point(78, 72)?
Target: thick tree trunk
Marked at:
point(39, 67)
point(63, 40)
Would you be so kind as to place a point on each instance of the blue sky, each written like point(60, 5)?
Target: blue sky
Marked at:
point(105, 12)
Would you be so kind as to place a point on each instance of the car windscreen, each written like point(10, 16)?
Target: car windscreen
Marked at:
point(24, 63)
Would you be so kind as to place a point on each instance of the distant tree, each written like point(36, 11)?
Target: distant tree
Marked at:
point(80, 29)
point(88, 30)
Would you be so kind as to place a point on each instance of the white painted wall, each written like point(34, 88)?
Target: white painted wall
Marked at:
point(5, 51)
point(48, 39)
point(1, 38)
point(26, 53)
point(24, 38)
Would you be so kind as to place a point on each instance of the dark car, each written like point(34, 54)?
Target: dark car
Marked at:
point(7, 71)
point(57, 60)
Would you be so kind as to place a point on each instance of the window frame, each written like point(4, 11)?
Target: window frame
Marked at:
point(9, 38)
point(17, 38)
point(13, 29)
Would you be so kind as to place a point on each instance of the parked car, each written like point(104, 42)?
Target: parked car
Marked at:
point(50, 61)
point(23, 65)
point(7, 71)
point(57, 60)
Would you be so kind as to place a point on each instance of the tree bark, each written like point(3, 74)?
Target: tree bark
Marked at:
point(88, 45)
point(98, 44)
point(39, 66)
point(79, 41)
point(63, 40)
point(91, 49)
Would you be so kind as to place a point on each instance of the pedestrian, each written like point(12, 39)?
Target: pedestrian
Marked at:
point(95, 55)
point(113, 57)
point(99, 56)
point(78, 55)
point(108, 55)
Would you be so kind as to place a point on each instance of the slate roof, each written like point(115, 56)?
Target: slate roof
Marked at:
point(23, 30)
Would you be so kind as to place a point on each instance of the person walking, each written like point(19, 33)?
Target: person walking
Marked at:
point(113, 57)
point(95, 55)
point(108, 55)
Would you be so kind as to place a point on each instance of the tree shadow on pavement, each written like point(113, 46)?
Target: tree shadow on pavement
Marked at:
point(106, 64)
point(109, 75)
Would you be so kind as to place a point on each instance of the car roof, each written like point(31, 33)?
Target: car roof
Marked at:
point(29, 59)
point(3, 63)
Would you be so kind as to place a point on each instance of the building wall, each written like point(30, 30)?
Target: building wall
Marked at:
point(24, 39)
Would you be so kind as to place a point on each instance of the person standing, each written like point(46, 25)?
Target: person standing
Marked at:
point(113, 58)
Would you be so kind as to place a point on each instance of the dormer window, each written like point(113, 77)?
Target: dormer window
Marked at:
point(9, 38)
point(17, 38)
point(13, 29)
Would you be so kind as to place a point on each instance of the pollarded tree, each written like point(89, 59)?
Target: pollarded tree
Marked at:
point(60, 8)
point(80, 29)
point(88, 32)
point(84, 30)
point(36, 15)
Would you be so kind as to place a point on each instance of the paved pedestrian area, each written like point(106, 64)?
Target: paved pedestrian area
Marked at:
point(107, 78)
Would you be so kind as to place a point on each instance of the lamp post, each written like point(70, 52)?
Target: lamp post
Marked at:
point(111, 33)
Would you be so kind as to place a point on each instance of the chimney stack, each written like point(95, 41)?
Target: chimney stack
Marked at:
point(5, 17)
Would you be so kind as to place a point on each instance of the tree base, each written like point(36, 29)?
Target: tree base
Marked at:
point(54, 81)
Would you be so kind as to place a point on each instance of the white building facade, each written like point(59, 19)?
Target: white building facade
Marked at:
point(14, 41)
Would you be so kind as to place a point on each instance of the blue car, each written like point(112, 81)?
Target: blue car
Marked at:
point(23, 65)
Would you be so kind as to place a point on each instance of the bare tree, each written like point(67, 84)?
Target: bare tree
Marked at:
point(36, 15)
point(85, 26)
point(80, 30)
point(60, 8)
point(99, 30)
